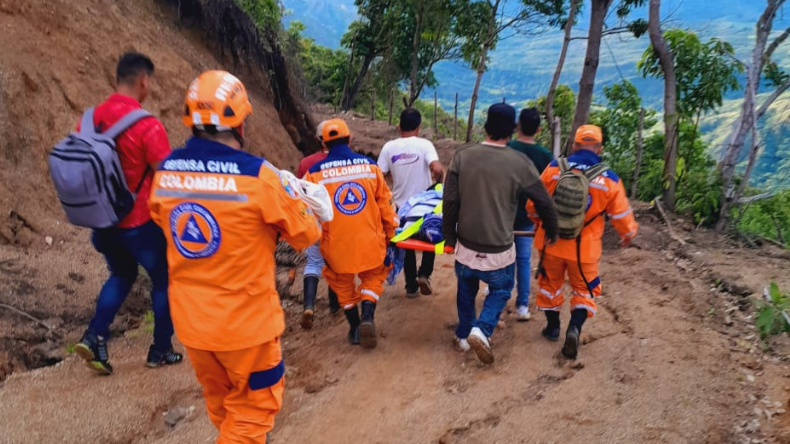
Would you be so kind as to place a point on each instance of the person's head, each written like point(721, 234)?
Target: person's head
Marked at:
point(216, 107)
point(501, 122)
point(319, 136)
point(588, 137)
point(335, 133)
point(410, 121)
point(529, 122)
point(133, 75)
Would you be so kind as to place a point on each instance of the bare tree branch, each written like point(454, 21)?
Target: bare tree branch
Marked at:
point(775, 44)
point(770, 100)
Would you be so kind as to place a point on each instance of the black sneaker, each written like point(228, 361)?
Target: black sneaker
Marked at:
point(425, 285)
point(552, 334)
point(571, 348)
point(93, 349)
point(161, 359)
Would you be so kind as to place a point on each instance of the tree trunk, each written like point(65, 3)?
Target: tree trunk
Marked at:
point(556, 137)
point(344, 99)
point(415, 51)
point(745, 121)
point(455, 118)
point(670, 103)
point(587, 81)
point(470, 121)
point(639, 148)
point(481, 68)
point(351, 92)
point(555, 80)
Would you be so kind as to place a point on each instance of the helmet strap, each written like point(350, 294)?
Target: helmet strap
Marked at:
point(238, 136)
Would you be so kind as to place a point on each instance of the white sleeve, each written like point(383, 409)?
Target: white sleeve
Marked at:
point(431, 155)
point(384, 160)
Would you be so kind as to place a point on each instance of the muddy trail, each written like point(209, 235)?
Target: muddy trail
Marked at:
point(671, 358)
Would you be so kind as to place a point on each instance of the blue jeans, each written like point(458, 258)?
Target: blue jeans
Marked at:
point(500, 286)
point(124, 249)
point(523, 265)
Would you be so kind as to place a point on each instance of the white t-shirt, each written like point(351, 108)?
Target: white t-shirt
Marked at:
point(408, 159)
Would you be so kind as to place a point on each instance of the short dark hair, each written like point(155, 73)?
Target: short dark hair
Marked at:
point(336, 142)
point(410, 119)
point(529, 121)
point(133, 65)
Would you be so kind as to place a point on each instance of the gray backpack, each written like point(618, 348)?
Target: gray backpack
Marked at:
point(571, 196)
point(87, 173)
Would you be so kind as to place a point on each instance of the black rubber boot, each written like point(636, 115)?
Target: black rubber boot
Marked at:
point(552, 330)
point(571, 347)
point(352, 316)
point(367, 330)
point(334, 305)
point(310, 289)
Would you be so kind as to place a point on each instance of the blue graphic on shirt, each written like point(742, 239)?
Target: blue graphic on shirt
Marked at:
point(350, 198)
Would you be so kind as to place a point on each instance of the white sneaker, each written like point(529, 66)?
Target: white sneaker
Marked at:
point(522, 314)
point(480, 344)
point(462, 345)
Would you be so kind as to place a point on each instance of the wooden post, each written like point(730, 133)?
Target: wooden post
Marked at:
point(373, 104)
point(435, 115)
point(392, 98)
point(639, 147)
point(556, 136)
point(455, 118)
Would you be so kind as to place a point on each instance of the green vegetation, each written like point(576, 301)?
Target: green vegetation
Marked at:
point(264, 13)
point(770, 317)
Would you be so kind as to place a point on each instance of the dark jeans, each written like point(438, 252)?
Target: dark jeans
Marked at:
point(523, 264)
point(124, 249)
point(500, 285)
point(410, 268)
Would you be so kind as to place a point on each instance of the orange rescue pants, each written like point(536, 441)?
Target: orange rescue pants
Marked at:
point(243, 390)
point(348, 294)
point(552, 279)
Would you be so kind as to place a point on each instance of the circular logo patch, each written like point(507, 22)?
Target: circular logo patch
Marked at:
point(350, 198)
point(195, 231)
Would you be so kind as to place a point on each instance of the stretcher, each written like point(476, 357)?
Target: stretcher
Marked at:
point(440, 248)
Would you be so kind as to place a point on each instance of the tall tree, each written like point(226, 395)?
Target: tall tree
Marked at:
point(555, 80)
point(369, 37)
point(703, 74)
point(595, 34)
point(499, 17)
point(667, 63)
point(750, 113)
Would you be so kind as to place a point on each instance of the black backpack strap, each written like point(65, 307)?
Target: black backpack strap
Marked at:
point(562, 162)
point(596, 170)
point(142, 181)
point(126, 121)
point(86, 124)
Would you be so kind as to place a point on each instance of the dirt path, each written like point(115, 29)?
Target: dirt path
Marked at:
point(654, 368)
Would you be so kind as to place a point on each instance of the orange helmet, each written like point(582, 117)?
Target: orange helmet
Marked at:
point(335, 129)
point(216, 98)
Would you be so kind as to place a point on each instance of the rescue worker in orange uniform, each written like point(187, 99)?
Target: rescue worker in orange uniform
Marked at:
point(222, 210)
point(356, 241)
point(579, 257)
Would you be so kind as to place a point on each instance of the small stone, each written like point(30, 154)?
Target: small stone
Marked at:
point(750, 378)
point(178, 414)
point(48, 240)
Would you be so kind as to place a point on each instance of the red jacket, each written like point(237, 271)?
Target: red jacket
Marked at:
point(144, 143)
point(308, 162)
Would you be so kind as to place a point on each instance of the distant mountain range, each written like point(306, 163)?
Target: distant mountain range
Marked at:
point(521, 67)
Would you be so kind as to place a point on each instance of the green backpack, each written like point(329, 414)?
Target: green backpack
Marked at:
point(571, 197)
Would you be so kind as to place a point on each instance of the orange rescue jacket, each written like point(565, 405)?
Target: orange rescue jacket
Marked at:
point(365, 220)
point(221, 210)
point(607, 196)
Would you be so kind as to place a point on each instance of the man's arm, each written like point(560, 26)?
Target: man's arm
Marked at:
point(542, 203)
point(437, 171)
point(451, 205)
point(389, 219)
point(620, 214)
point(155, 144)
point(295, 222)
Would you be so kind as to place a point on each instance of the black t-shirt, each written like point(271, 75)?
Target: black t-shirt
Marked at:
point(541, 157)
